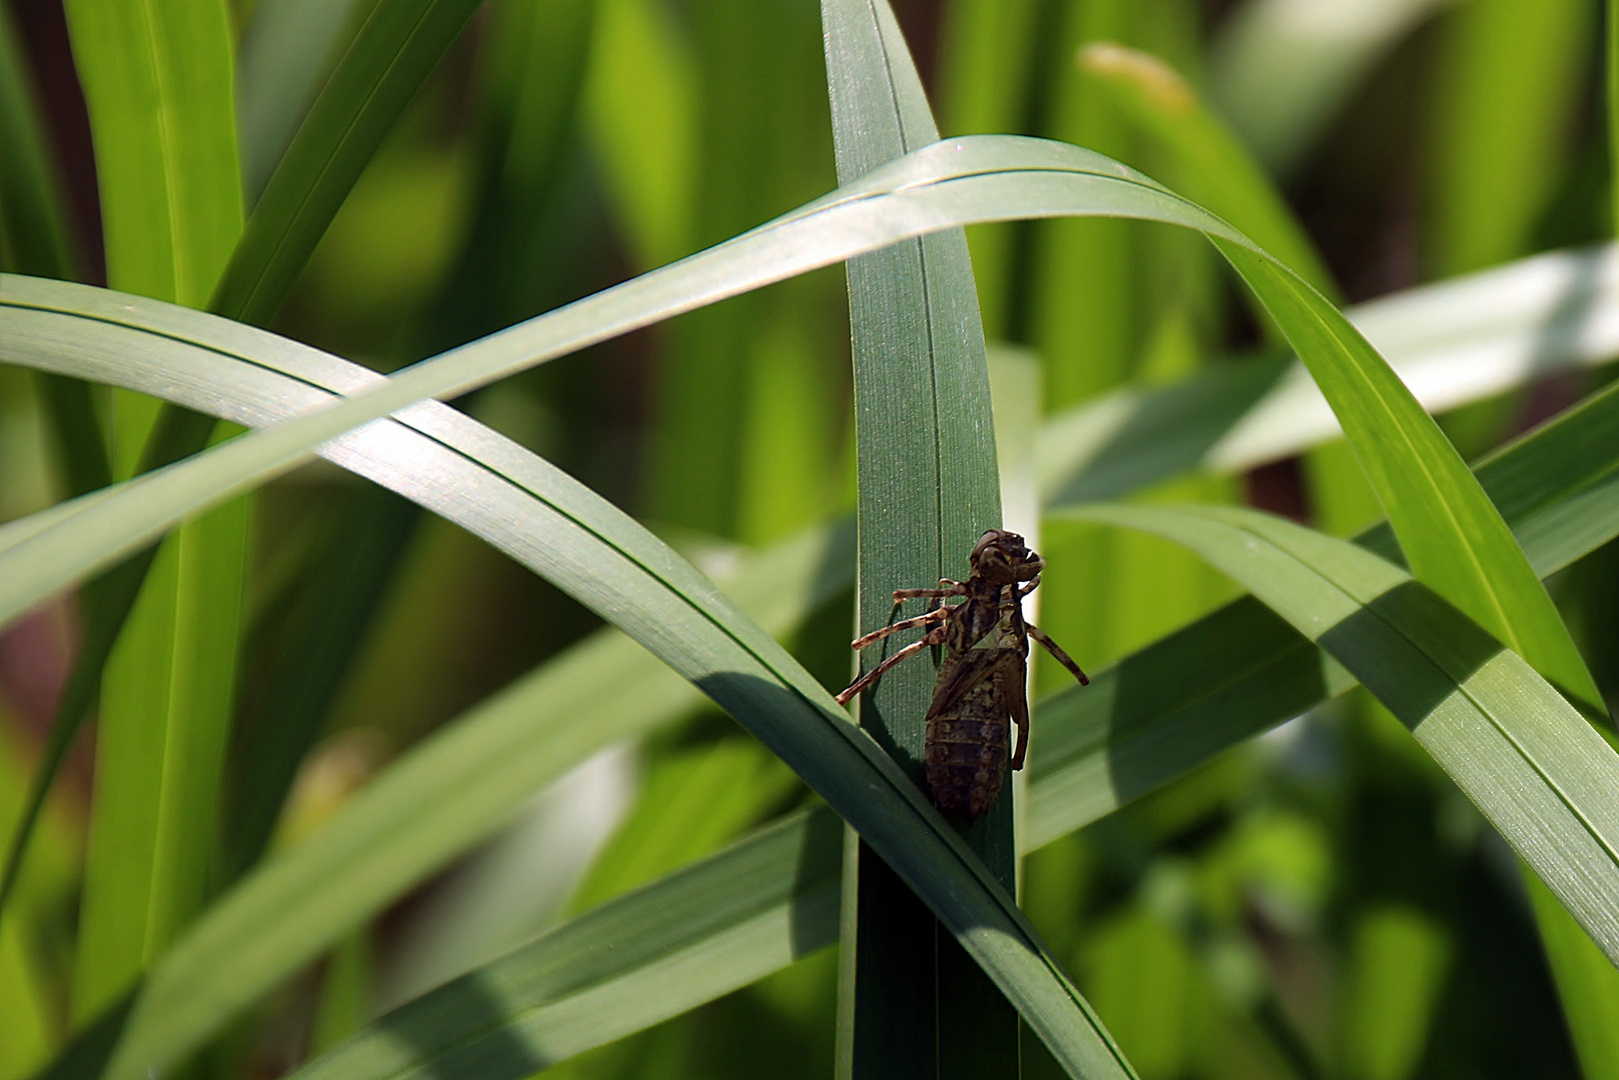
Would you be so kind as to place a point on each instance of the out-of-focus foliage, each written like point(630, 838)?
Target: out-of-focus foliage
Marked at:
point(1322, 901)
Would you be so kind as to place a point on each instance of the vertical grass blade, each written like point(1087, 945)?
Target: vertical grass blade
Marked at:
point(288, 47)
point(1507, 82)
point(910, 1002)
point(379, 73)
point(158, 84)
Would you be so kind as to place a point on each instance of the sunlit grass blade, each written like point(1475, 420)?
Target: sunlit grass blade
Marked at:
point(1525, 757)
point(1452, 536)
point(1558, 487)
point(158, 88)
point(976, 178)
point(416, 816)
point(1157, 714)
point(1452, 343)
point(909, 1003)
point(1507, 81)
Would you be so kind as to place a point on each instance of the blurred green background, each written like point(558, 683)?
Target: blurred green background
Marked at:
point(1320, 903)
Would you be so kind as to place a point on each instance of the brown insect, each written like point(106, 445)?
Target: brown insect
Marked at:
point(982, 682)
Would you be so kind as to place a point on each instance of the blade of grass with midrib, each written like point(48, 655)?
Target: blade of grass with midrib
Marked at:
point(391, 55)
point(524, 1022)
point(1526, 757)
point(909, 1002)
point(158, 87)
point(1142, 723)
point(971, 179)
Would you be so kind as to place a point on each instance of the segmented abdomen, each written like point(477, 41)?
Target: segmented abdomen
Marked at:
point(966, 751)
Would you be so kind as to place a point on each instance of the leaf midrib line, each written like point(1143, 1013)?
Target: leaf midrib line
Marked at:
point(1428, 475)
point(1461, 684)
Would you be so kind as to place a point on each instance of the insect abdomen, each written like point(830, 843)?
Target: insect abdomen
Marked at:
point(966, 752)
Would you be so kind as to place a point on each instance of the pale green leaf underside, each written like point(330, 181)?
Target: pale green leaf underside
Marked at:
point(562, 530)
point(1448, 529)
point(1142, 722)
point(1451, 343)
point(1531, 763)
point(947, 184)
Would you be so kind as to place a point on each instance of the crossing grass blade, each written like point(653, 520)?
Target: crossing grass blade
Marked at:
point(977, 178)
point(1525, 757)
point(1206, 161)
point(1005, 177)
point(1142, 723)
point(1146, 720)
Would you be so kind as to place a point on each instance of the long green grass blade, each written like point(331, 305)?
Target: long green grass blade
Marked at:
point(1152, 717)
point(158, 86)
point(909, 1003)
point(1453, 537)
point(1587, 984)
point(1452, 343)
point(978, 178)
point(1525, 757)
point(1140, 725)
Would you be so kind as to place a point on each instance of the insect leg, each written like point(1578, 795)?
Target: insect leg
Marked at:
point(946, 588)
point(1056, 650)
point(932, 637)
point(1018, 704)
point(882, 632)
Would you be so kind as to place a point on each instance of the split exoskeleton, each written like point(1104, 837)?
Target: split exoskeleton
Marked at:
point(982, 684)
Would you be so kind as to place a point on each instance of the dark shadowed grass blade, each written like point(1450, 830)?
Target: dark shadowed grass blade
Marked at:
point(1145, 721)
point(909, 1003)
point(190, 992)
point(378, 74)
point(1530, 762)
point(286, 53)
point(1142, 723)
point(619, 968)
